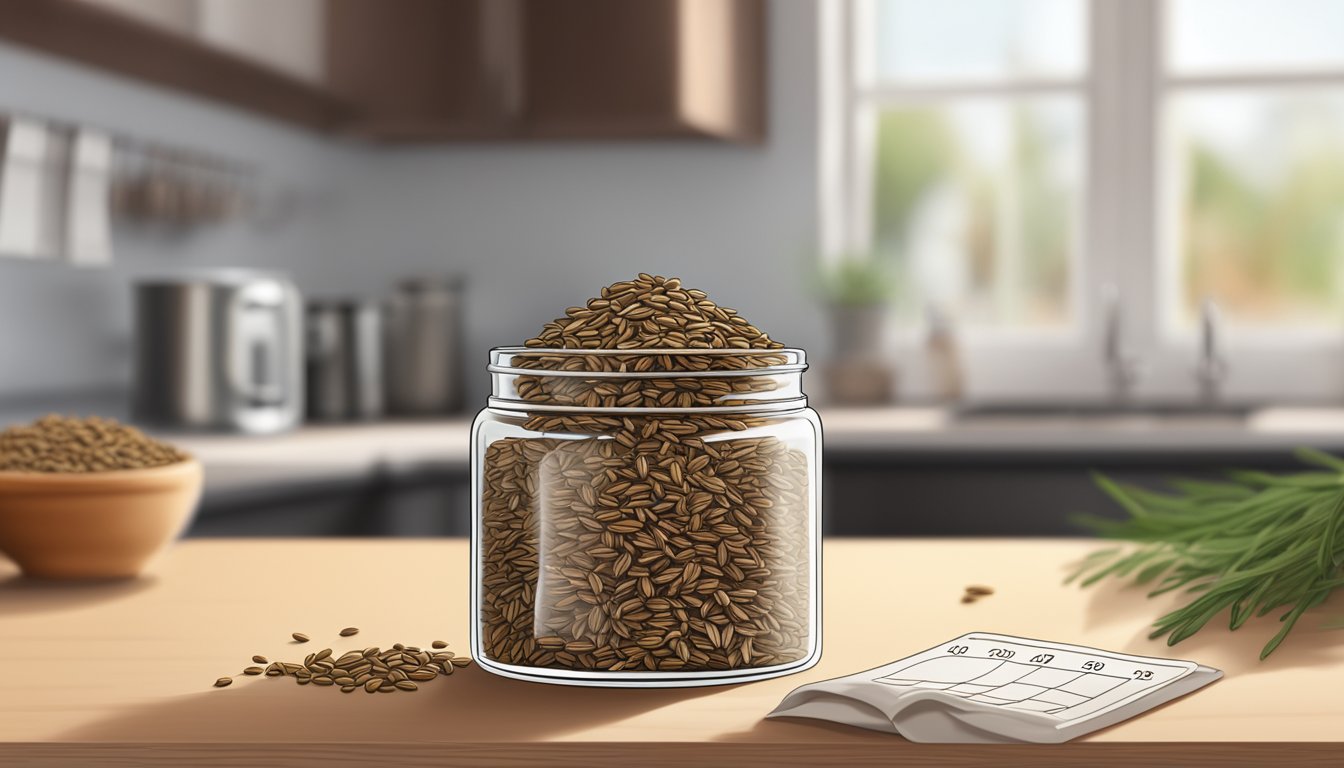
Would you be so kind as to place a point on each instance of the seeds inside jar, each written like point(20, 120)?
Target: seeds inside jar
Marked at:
point(660, 542)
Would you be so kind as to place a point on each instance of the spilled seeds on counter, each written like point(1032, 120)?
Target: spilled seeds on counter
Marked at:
point(399, 668)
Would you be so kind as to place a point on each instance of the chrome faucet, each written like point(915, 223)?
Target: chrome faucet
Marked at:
point(1123, 368)
point(1211, 369)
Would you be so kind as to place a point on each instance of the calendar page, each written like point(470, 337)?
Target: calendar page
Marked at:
point(986, 687)
point(1069, 682)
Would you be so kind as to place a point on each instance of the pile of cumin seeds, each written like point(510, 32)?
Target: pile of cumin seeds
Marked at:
point(66, 444)
point(665, 542)
point(399, 668)
point(649, 312)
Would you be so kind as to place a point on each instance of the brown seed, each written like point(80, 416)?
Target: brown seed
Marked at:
point(968, 598)
point(260, 659)
point(348, 631)
point(439, 644)
point(299, 637)
point(373, 684)
point(223, 681)
point(253, 671)
point(407, 685)
point(979, 590)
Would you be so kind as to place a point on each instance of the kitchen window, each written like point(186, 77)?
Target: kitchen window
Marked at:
point(1019, 159)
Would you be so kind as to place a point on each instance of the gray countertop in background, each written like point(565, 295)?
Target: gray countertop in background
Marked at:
point(318, 453)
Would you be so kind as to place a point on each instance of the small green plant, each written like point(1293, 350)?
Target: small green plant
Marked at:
point(857, 280)
point(1255, 544)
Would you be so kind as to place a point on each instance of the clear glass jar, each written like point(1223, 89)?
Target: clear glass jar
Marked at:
point(646, 517)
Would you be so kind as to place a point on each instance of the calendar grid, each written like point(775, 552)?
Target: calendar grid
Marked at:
point(1012, 693)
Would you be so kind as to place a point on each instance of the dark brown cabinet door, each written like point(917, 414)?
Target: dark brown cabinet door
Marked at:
point(615, 68)
point(600, 67)
point(417, 68)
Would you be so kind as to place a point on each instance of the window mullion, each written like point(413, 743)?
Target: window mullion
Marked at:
point(1122, 154)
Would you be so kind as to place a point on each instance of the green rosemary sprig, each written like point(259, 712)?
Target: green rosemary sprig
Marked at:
point(1252, 545)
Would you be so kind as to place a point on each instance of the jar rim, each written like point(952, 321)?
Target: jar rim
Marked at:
point(501, 359)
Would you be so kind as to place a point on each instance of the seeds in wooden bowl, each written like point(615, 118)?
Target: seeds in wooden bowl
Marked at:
point(59, 444)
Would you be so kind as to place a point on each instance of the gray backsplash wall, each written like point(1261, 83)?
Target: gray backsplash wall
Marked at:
point(533, 228)
point(66, 329)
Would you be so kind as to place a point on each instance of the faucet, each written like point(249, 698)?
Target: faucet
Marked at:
point(1123, 369)
point(1211, 369)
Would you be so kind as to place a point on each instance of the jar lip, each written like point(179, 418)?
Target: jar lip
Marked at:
point(501, 359)
point(757, 406)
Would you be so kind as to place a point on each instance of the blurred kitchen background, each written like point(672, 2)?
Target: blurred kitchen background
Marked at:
point(1020, 239)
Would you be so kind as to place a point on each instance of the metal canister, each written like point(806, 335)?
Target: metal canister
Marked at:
point(345, 360)
point(424, 347)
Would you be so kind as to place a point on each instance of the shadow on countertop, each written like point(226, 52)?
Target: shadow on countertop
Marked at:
point(471, 706)
point(21, 595)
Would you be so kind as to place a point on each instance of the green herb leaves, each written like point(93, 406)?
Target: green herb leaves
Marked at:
point(1250, 546)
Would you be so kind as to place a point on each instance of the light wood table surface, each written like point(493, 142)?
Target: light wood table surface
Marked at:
point(122, 673)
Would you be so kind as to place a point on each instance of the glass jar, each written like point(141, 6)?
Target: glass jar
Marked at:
point(646, 517)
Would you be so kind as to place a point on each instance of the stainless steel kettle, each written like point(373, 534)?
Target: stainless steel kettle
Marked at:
point(220, 351)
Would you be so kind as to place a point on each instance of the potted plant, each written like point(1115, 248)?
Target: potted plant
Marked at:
point(858, 289)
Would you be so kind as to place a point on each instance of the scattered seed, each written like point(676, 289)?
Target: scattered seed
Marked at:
point(438, 644)
point(407, 685)
point(348, 631)
point(259, 659)
point(223, 681)
point(299, 637)
point(253, 671)
point(979, 590)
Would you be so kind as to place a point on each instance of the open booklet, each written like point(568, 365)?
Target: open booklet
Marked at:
point(987, 688)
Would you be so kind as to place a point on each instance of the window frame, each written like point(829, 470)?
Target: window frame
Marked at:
point(1128, 237)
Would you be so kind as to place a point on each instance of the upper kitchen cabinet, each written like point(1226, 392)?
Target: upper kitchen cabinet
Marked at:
point(259, 55)
point(436, 70)
point(536, 69)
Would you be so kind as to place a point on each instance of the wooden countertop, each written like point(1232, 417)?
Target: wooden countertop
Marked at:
point(121, 673)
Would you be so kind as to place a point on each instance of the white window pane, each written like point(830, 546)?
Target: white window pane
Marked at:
point(977, 201)
point(1212, 35)
point(1261, 217)
point(954, 40)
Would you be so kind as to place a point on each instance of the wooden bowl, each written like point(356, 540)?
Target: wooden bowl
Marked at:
point(96, 525)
